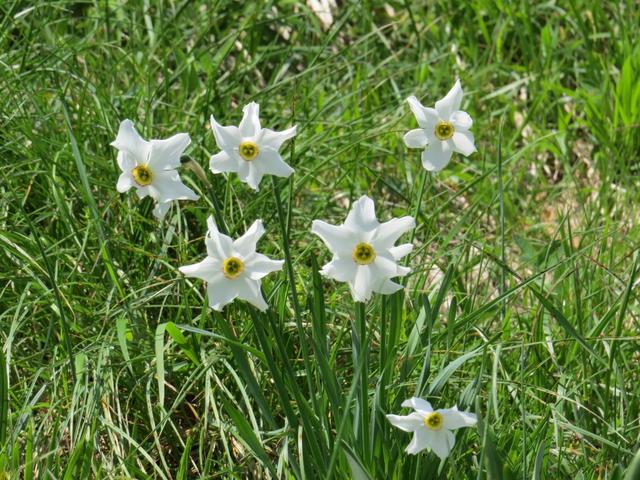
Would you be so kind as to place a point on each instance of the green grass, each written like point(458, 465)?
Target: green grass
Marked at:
point(523, 301)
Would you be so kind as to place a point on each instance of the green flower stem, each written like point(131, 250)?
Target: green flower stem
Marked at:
point(217, 211)
point(361, 354)
point(342, 428)
point(416, 209)
point(284, 233)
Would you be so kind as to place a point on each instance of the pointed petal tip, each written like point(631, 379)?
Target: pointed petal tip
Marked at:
point(364, 198)
point(126, 123)
point(214, 122)
point(262, 308)
point(315, 224)
point(212, 226)
point(259, 224)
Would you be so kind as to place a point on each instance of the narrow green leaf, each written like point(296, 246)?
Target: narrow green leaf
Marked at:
point(633, 471)
point(159, 349)
point(121, 332)
point(439, 382)
point(4, 401)
point(247, 435)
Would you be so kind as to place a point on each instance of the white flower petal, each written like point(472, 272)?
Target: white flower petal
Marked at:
point(161, 209)
point(246, 244)
point(227, 138)
point(422, 438)
point(418, 404)
point(461, 120)
point(442, 442)
point(259, 265)
point(388, 232)
point(340, 269)
point(270, 162)
point(387, 287)
point(425, 116)
point(401, 250)
point(403, 271)
point(451, 102)
point(436, 156)
point(338, 239)
point(270, 138)
point(219, 245)
point(142, 192)
point(250, 123)
point(165, 154)
point(126, 162)
point(454, 418)
point(249, 290)
point(244, 168)
point(416, 138)
point(167, 186)
point(407, 423)
point(384, 265)
point(223, 162)
point(209, 270)
point(362, 286)
point(221, 292)
point(250, 174)
point(362, 216)
point(128, 140)
point(253, 176)
point(125, 182)
point(463, 143)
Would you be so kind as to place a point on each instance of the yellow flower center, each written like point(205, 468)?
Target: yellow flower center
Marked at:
point(433, 421)
point(249, 150)
point(444, 130)
point(142, 175)
point(363, 254)
point(232, 267)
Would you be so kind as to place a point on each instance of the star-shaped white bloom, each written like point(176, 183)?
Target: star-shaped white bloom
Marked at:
point(150, 167)
point(363, 252)
point(233, 268)
point(443, 130)
point(431, 428)
point(250, 150)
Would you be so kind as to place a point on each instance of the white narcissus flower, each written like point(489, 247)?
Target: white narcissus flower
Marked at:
point(250, 150)
point(363, 250)
point(233, 268)
point(151, 167)
point(431, 428)
point(443, 130)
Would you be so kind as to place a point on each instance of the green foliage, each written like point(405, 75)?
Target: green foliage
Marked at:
point(522, 305)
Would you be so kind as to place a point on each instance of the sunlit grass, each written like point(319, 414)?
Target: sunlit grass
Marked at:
point(522, 305)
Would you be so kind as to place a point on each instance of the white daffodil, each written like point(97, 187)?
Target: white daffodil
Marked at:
point(363, 252)
point(151, 167)
point(431, 428)
point(233, 268)
point(443, 130)
point(250, 150)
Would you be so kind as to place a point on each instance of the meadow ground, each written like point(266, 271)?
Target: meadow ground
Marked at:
point(522, 305)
